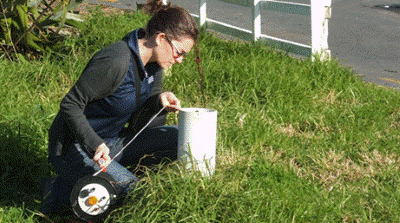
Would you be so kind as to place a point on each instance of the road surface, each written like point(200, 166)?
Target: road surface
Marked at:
point(363, 34)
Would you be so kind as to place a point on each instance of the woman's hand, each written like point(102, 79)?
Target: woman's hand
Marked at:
point(101, 156)
point(170, 102)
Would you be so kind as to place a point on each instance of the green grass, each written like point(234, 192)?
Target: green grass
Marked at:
point(298, 141)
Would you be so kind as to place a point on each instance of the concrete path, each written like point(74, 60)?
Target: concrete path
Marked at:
point(363, 34)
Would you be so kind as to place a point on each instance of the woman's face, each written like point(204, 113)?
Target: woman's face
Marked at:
point(170, 51)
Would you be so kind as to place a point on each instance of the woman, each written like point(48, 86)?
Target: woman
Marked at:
point(119, 82)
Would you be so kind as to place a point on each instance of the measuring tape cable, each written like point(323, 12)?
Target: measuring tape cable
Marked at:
point(123, 148)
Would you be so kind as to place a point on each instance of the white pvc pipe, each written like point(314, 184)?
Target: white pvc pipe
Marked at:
point(197, 139)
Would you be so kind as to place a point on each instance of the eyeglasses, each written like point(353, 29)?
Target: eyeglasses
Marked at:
point(176, 49)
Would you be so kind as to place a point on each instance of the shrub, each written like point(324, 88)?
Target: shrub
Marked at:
point(30, 27)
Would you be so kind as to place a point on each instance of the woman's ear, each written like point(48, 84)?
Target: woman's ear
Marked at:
point(158, 38)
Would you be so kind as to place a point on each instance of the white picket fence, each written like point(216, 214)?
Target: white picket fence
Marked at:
point(319, 10)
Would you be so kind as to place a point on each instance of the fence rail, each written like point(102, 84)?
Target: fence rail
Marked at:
point(319, 10)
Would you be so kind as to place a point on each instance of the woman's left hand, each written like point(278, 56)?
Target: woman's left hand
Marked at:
point(170, 102)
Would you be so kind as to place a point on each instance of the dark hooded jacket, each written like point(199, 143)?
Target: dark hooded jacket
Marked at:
point(102, 101)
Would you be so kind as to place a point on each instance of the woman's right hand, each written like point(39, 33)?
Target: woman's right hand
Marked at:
point(101, 156)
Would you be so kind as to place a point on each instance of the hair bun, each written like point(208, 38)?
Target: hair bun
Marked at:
point(153, 6)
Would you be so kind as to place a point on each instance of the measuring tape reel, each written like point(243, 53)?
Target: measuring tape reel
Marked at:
point(93, 197)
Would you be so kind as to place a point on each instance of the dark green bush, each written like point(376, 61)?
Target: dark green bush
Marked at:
point(28, 28)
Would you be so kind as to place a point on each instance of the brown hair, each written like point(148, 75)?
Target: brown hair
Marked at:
point(174, 21)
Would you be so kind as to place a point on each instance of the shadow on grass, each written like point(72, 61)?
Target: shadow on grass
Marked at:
point(23, 165)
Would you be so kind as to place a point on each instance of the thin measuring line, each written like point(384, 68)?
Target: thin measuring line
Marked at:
point(141, 130)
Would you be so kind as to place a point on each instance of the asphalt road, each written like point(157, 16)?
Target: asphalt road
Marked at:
point(363, 34)
point(367, 39)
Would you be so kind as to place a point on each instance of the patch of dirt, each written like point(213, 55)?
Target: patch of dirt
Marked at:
point(85, 9)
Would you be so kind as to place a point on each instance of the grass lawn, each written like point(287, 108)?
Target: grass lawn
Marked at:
point(298, 141)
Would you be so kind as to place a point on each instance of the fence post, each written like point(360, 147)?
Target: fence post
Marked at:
point(256, 19)
point(320, 15)
point(203, 11)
